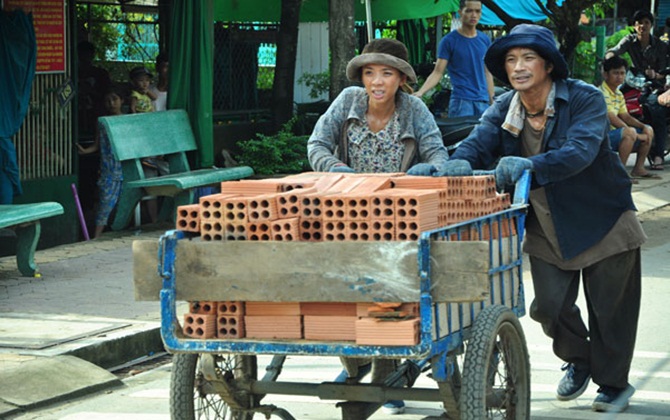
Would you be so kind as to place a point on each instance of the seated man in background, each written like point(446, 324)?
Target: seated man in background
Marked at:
point(628, 134)
point(649, 55)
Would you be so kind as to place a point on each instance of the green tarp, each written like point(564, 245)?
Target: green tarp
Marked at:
point(317, 10)
point(191, 63)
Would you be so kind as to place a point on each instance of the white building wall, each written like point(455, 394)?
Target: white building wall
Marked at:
point(312, 57)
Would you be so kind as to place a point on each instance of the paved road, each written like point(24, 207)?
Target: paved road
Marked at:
point(145, 396)
point(107, 291)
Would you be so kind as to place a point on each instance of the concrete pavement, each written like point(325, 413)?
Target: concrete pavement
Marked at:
point(59, 333)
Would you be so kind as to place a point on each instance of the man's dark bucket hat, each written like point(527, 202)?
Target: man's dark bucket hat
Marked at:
point(537, 38)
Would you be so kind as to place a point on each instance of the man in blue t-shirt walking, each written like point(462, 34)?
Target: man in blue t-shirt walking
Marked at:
point(461, 52)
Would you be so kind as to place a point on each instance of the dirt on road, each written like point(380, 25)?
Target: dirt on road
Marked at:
point(656, 224)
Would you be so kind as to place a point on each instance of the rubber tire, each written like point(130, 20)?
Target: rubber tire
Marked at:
point(183, 392)
point(497, 341)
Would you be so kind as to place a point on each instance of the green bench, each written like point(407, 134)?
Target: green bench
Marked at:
point(24, 219)
point(166, 133)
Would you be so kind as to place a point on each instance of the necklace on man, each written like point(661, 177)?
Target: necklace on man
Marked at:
point(533, 114)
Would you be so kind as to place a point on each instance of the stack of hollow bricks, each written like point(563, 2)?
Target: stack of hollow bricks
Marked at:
point(329, 207)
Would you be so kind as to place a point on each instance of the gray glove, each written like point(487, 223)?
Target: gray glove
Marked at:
point(343, 169)
point(422, 169)
point(455, 167)
point(510, 169)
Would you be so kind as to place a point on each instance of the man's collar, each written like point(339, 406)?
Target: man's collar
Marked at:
point(514, 120)
point(609, 89)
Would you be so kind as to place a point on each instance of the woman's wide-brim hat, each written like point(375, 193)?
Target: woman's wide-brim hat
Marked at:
point(535, 37)
point(356, 63)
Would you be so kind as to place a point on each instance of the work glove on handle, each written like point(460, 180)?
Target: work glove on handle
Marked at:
point(455, 167)
point(342, 169)
point(510, 169)
point(422, 169)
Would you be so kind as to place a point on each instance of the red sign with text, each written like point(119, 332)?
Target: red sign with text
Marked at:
point(49, 23)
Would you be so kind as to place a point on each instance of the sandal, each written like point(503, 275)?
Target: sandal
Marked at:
point(645, 176)
point(657, 164)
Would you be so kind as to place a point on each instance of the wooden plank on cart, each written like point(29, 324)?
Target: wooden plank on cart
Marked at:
point(315, 272)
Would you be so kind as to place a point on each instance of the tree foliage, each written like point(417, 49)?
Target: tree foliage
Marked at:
point(564, 19)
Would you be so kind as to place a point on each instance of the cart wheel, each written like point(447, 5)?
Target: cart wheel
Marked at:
point(496, 370)
point(192, 398)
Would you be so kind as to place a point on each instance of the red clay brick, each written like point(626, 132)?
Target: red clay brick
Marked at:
point(262, 208)
point(382, 206)
point(230, 326)
point(199, 326)
point(188, 218)
point(233, 308)
point(330, 328)
point(211, 206)
point(311, 206)
point(378, 332)
point(273, 326)
point(202, 307)
point(212, 231)
point(357, 230)
point(259, 231)
point(382, 230)
point(272, 308)
point(251, 187)
point(311, 230)
point(357, 207)
point(234, 210)
point(334, 230)
point(285, 229)
point(328, 308)
point(334, 207)
point(421, 182)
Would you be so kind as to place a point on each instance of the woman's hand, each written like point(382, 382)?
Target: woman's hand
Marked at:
point(342, 169)
point(422, 169)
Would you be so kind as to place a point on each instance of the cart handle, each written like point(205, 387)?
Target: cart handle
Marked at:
point(521, 188)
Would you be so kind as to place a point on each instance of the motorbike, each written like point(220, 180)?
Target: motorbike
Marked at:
point(635, 90)
point(454, 129)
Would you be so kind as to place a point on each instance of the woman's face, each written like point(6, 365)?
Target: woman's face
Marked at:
point(382, 82)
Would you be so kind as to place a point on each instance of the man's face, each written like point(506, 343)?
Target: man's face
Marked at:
point(471, 13)
point(526, 69)
point(643, 27)
point(615, 77)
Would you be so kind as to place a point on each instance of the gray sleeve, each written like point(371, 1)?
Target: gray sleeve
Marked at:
point(428, 135)
point(322, 144)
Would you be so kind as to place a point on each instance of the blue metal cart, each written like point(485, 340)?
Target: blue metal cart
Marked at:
point(475, 351)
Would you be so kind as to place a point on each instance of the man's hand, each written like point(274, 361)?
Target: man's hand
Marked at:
point(648, 131)
point(510, 169)
point(422, 169)
point(455, 167)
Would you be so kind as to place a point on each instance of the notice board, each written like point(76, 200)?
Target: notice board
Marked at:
point(49, 23)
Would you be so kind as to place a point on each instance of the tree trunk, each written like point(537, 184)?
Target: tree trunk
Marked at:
point(342, 43)
point(508, 20)
point(287, 49)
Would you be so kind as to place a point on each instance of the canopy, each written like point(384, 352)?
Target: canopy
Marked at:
point(519, 9)
point(317, 10)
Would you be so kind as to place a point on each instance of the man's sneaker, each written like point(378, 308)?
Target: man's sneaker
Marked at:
point(394, 407)
point(612, 400)
point(574, 382)
point(362, 371)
